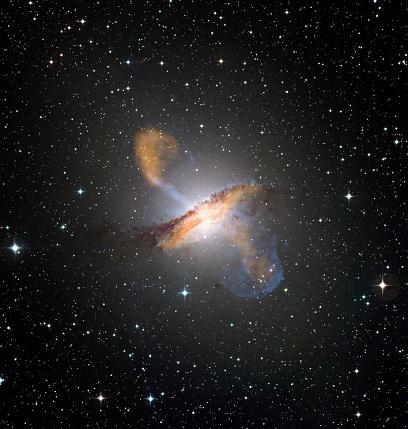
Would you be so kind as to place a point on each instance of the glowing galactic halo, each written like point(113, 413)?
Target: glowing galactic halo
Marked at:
point(252, 268)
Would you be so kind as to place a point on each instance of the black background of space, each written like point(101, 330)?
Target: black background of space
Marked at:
point(310, 97)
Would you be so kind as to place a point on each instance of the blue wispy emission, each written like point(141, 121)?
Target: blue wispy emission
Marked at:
point(239, 281)
point(173, 193)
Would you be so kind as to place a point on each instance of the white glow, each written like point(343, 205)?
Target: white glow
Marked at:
point(15, 247)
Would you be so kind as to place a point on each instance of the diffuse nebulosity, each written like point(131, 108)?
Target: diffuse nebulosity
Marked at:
point(238, 215)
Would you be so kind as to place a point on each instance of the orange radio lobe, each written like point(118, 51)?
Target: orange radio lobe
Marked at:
point(153, 150)
point(258, 266)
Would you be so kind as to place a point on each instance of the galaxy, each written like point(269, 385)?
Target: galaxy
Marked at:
point(230, 213)
point(204, 214)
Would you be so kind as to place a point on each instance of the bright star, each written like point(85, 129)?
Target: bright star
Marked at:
point(80, 191)
point(150, 399)
point(127, 62)
point(220, 61)
point(184, 292)
point(383, 285)
point(349, 196)
point(82, 21)
point(100, 398)
point(358, 414)
point(15, 247)
point(1, 380)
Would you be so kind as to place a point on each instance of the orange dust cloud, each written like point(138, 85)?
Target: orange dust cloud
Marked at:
point(152, 150)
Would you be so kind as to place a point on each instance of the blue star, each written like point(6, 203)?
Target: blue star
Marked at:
point(15, 247)
point(150, 399)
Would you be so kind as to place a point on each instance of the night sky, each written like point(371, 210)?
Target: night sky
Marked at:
point(100, 329)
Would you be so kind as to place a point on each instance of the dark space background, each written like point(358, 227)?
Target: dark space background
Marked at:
point(311, 98)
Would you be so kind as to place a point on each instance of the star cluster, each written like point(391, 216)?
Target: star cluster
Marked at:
point(307, 99)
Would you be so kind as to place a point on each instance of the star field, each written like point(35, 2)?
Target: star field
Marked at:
point(305, 98)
